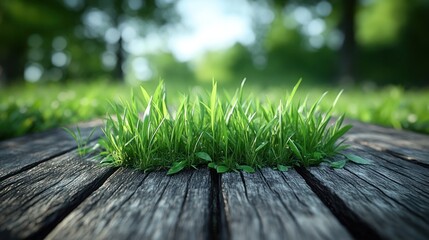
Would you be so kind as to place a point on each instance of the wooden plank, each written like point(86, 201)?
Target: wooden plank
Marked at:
point(403, 144)
point(25, 152)
point(274, 205)
point(390, 197)
point(133, 205)
point(398, 134)
point(34, 201)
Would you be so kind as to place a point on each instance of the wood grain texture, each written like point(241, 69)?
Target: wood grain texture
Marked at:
point(34, 201)
point(275, 205)
point(133, 205)
point(46, 191)
point(403, 144)
point(25, 152)
point(390, 196)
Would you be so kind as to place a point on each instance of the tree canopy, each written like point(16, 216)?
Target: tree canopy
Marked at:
point(382, 41)
point(77, 38)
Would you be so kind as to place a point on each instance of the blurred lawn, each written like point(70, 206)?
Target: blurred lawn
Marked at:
point(31, 108)
point(36, 107)
point(388, 106)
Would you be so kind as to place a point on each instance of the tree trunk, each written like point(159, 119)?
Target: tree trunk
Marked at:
point(12, 66)
point(119, 72)
point(348, 48)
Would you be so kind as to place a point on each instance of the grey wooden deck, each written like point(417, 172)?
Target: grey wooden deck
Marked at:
point(48, 192)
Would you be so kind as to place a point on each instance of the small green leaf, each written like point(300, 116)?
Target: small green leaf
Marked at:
point(203, 156)
point(357, 159)
point(246, 168)
point(338, 164)
point(177, 167)
point(282, 168)
point(222, 169)
point(212, 165)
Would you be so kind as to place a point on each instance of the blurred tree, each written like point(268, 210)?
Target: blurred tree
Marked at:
point(392, 36)
point(345, 11)
point(291, 57)
point(383, 38)
point(92, 30)
point(224, 66)
point(347, 26)
point(414, 43)
point(165, 66)
point(19, 19)
point(119, 16)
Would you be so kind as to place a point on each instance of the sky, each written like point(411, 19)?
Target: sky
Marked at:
point(210, 25)
point(219, 24)
point(205, 25)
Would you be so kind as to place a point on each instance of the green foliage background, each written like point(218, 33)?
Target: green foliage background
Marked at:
point(390, 87)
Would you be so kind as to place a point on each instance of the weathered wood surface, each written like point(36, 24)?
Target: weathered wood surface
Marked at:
point(25, 152)
point(34, 201)
point(389, 198)
point(47, 191)
point(133, 205)
point(274, 205)
point(403, 144)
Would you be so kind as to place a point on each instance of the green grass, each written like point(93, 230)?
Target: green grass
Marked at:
point(390, 106)
point(28, 108)
point(238, 132)
point(36, 107)
point(82, 143)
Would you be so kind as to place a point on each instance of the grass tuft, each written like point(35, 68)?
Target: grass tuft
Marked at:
point(83, 146)
point(223, 132)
